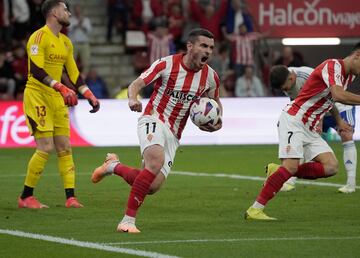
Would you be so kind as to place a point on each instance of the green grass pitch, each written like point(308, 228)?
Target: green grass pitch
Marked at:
point(191, 216)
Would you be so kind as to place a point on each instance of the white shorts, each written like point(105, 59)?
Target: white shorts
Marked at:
point(297, 141)
point(152, 131)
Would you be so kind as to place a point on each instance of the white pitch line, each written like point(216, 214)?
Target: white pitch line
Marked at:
point(235, 240)
point(97, 246)
point(254, 178)
point(221, 175)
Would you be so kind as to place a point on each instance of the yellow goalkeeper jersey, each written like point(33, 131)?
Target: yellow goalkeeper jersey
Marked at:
point(51, 53)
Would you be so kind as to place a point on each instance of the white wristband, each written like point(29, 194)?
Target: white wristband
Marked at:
point(53, 82)
point(82, 89)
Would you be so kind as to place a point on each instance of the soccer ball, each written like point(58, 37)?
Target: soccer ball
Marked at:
point(204, 111)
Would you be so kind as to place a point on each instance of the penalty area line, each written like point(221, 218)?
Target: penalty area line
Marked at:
point(91, 245)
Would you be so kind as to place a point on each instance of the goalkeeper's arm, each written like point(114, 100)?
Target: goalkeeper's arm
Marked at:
point(84, 90)
point(39, 74)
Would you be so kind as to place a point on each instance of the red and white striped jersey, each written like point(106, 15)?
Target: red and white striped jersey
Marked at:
point(315, 99)
point(176, 88)
point(242, 48)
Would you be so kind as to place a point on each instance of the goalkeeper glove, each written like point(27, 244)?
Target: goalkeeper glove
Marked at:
point(68, 95)
point(93, 101)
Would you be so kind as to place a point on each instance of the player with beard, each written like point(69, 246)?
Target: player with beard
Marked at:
point(180, 80)
point(46, 102)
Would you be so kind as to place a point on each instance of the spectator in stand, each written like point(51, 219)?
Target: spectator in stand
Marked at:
point(289, 58)
point(160, 44)
point(7, 78)
point(21, 17)
point(236, 15)
point(176, 23)
point(79, 32)
point(117, 11)
point(220, 60)
point(249, 85)
point(97, 85)
point(160, 41)
point(242, 49)
point(144, 11)
point(19, 65)
point(209, 18)
point(5, 23)
point(229, 83)
point(36, 18)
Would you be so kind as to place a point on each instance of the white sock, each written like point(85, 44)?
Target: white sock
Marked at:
point(111, 166)
point(291, 180)
point(128, 219)
point(350, 161)
point(258, 205)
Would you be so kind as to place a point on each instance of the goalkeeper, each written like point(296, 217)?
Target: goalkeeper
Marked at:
point(46, 102)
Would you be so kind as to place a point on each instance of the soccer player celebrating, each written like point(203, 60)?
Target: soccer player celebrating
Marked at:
point(46, 100)
point(180, 79)
point(297, 128)
point(291, 80)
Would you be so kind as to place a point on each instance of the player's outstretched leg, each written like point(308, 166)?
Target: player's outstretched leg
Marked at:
point(106, 169)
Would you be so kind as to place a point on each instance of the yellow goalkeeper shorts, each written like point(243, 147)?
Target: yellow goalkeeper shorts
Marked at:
point(46, 113)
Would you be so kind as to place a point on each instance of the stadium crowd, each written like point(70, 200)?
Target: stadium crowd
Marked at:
point(242, 58)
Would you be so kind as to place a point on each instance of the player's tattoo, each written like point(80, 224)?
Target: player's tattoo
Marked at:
point(290, 134)
point(148, 127)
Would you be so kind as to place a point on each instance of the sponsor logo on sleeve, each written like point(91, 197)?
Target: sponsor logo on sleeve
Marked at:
point(34, 49)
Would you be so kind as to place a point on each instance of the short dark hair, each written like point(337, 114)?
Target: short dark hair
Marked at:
point(48, 5)
point(195, 33)
point(278, 76)
point(356, 47)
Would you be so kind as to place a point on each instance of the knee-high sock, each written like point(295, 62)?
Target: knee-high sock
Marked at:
point(35, 168)
point(138, 192)
point(273, 185)
point(127, 173)
point(67, 169)
point(350, 161)
point(311, 170)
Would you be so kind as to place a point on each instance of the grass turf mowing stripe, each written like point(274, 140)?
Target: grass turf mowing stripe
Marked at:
point(235, 240)
point(91, 245)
